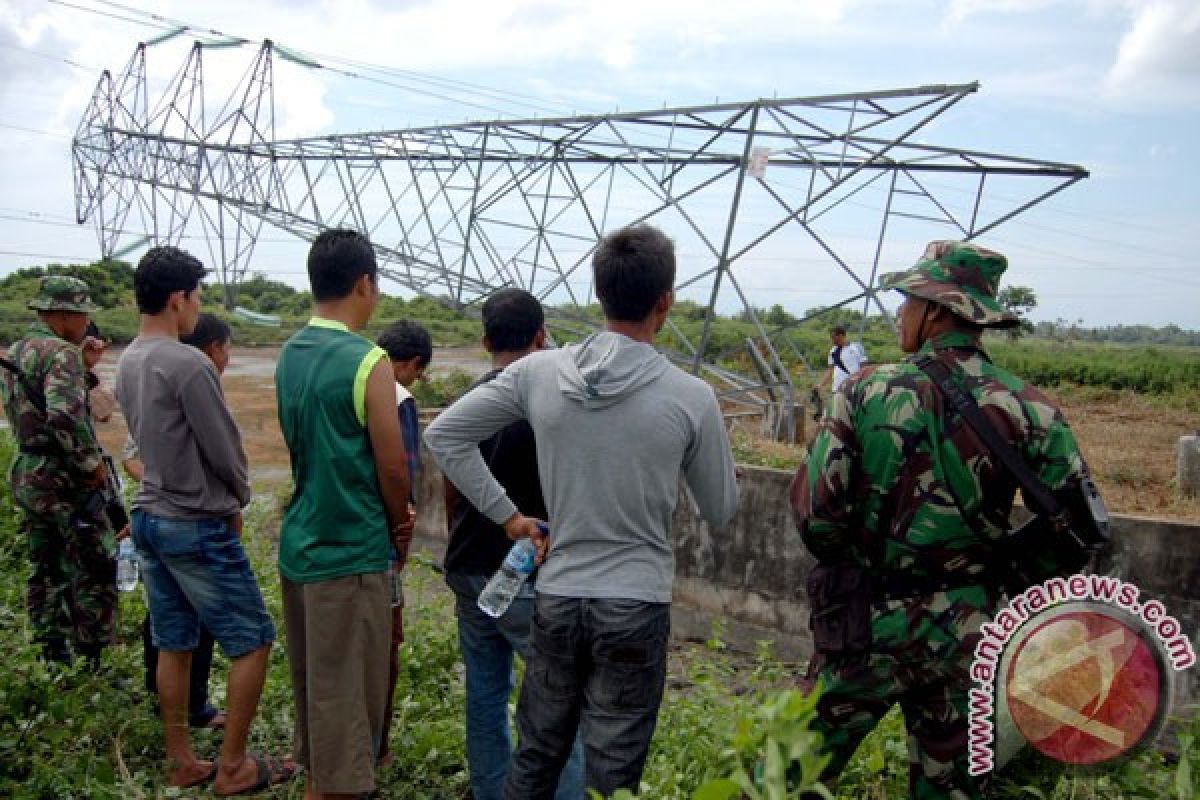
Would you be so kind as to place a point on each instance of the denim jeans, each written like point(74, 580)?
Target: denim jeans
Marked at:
point(487, 646)
point(599, 665)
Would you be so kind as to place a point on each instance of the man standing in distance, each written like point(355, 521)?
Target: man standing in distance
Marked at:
point(187, 522)
point(44, 387)
point(337, 409)
point(898, 489)
point(845, 358)
point(616, 424)
point(512, 329)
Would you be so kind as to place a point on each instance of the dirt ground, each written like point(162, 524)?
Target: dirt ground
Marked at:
point(1128, 440)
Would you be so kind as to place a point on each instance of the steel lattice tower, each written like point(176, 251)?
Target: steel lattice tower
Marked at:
point(457, 211)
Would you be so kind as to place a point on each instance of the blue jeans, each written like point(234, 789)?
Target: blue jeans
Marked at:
point(597, 665)
point(196, 573)
point(487, 646)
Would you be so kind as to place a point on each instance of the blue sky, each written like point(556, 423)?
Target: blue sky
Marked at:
point(1113, 85)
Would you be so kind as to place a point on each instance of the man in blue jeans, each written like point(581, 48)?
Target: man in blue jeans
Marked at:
point(187, 523)
point(512, 329)
point(616, 425)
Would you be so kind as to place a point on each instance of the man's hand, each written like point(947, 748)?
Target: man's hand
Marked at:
point(92, 349)
point(401, 535)
point(98, 478)
point(236, 522)
point(123, 533)
point(520, 526)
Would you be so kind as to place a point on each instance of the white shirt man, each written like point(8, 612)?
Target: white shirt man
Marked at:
point(845, 358)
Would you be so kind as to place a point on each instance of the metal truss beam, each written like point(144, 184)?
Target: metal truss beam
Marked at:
point(814, 188)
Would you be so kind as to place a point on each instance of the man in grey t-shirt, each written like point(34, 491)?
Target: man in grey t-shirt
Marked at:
point(616, 424)
point(187, 523)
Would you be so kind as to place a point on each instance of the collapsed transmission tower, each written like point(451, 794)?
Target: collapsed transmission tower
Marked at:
point(766, 196)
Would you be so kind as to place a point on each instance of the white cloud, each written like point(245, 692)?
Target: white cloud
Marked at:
point(1160, 53)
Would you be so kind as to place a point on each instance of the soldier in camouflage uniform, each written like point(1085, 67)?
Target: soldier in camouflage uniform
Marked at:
point(72, 591)
point(898, 483)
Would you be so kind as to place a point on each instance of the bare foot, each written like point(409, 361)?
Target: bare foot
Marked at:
point(191, 773)
point(252, 773)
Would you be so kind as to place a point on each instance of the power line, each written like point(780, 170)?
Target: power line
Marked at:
point(109, 14)
point(47, 56)
point(39, 131)
point(167, 23)
point(78, 259)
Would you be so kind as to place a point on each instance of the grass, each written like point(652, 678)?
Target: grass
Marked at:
point(70, 734)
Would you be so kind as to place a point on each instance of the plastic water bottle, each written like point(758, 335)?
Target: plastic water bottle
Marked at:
point(518, 565)
point(127, 566)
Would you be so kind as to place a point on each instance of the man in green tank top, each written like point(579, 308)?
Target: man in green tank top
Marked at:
point(337, 408)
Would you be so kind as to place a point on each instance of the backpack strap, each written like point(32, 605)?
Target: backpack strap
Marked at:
point(1036, 493)
point(836, 355)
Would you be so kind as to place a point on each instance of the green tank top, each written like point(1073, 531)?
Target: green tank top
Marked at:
point(335, 524)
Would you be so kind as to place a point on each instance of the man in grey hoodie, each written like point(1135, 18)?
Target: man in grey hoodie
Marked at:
point(616, 424)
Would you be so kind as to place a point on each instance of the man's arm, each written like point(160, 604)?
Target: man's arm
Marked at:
point(709, 468)
point(67, 416)
point(217, 435)
point(453, 439)
point(391, 459)
point(821, 493)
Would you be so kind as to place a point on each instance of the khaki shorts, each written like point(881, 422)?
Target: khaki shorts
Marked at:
point(338, 645)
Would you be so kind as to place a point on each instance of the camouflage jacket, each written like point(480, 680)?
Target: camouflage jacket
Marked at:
point(58, 447)
point(894, 479)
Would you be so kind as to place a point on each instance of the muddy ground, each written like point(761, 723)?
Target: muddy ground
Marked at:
point(1129, 440)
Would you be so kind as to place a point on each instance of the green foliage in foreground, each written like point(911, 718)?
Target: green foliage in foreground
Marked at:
point(725, 730)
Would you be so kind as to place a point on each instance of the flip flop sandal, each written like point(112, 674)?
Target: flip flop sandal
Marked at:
point(272, 771)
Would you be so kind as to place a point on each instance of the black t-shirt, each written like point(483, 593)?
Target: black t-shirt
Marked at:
point(478, 545)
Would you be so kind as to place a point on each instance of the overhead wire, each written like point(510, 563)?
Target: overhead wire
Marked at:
point(512, 98)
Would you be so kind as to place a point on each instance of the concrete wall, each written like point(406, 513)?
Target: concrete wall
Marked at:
point(750, 573)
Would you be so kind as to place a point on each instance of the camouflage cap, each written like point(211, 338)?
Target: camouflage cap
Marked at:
point(62, 293)
point(961, 276)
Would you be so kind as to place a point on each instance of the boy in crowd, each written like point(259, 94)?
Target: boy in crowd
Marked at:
point(337, 408)
point(616, 423)
point(512, 329)
point(187, 523)
point(410, 349)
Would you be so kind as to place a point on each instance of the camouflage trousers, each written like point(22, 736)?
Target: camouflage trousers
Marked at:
point(856, 693)
point(72, 592)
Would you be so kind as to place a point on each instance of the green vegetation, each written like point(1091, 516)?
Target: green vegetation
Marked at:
point(725, 730)
point(1163, 362)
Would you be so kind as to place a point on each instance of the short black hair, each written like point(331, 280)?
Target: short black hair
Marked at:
point(405, 340)
point(210, 329)
point(162, 272)
point(336, 260)
point(632, 268)
point(837, 330)
point(511, 319)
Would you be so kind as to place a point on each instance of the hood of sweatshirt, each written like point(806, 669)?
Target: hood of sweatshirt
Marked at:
point(606, 367)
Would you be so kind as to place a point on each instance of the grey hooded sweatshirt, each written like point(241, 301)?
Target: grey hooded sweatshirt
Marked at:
point(616, 424)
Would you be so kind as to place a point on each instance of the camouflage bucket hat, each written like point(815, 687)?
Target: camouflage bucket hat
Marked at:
point(961, 276)
point(62, 293)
